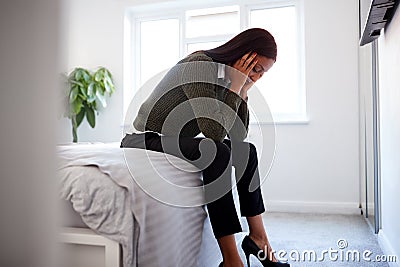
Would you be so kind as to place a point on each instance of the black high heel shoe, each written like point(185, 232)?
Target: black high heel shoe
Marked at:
point(250, 248)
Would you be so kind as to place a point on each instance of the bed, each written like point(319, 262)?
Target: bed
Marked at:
point(118, 194)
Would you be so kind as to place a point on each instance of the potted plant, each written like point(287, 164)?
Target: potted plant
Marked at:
point(84, 90)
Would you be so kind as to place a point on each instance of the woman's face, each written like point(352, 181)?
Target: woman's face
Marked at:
point(262, 66)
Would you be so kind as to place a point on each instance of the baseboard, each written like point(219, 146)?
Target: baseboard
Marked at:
point(351, 208)
point(387, 248)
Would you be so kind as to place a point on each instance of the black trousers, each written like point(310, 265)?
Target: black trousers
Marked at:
point(215, 159)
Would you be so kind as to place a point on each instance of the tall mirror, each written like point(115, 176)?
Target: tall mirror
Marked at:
point(369, 124)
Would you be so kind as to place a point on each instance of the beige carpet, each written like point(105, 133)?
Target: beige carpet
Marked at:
point(300, 235)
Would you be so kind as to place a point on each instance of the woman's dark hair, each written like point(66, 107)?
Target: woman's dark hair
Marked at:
point(251, 40)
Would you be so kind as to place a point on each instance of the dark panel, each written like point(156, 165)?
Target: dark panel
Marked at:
point(380, 13)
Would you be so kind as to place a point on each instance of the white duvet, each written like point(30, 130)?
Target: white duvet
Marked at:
point(100, 185)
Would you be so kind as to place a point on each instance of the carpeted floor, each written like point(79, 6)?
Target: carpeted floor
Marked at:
point(347, 239)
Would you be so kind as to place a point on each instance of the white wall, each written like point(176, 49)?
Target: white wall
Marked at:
point(95, 38)
point(389, 88)
point(316, 164)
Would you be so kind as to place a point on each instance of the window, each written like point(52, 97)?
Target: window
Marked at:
point(283, 77)
point(183, 30)
point(152, 34)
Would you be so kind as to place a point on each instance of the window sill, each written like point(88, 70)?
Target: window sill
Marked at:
point(284, 120)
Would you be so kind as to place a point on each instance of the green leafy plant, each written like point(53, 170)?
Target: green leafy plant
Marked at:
point(84, 90)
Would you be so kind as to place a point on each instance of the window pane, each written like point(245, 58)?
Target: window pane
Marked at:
point(280, 85)
point(212, 21)
point(202, 46)
point(159, 47)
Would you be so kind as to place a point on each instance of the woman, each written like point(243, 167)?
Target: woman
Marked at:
point(206, 93)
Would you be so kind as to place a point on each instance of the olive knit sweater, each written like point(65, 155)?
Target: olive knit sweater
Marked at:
point(191, 99)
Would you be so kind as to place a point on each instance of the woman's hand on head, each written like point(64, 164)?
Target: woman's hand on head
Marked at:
point(239, 81)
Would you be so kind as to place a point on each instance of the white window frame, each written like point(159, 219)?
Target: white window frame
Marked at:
point(176, 10)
